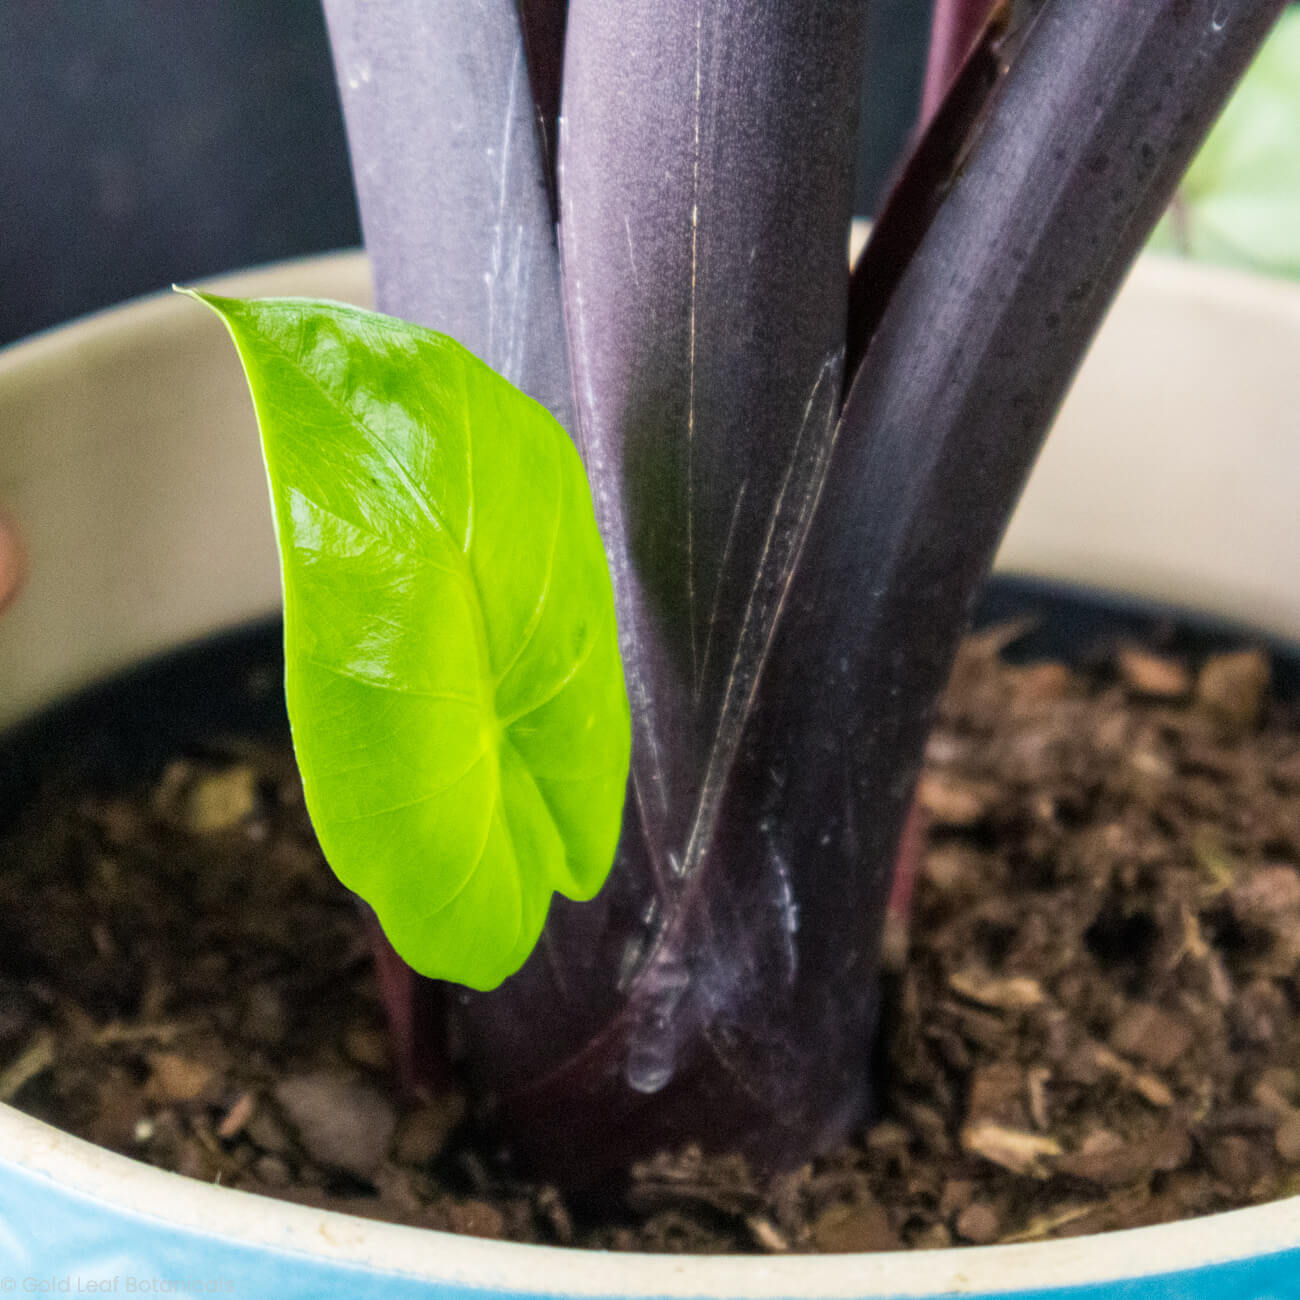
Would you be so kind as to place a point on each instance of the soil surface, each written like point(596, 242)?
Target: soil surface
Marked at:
point(1094, 1022)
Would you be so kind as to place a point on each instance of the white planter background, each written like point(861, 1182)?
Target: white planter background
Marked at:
point(129, 455)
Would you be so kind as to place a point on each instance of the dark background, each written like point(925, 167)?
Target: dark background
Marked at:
point(148, 141)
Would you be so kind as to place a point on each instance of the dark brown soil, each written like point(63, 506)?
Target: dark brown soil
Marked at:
point(1097, 1024)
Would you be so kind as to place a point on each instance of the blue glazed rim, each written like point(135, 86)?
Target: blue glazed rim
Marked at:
point(73, 1215)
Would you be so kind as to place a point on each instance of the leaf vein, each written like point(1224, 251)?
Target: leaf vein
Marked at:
point(411, 803)
point(339, 671)
point(533, 705)
point(418, 497)
point(535, 618)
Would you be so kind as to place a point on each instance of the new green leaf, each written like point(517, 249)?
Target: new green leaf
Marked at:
point(452, 668)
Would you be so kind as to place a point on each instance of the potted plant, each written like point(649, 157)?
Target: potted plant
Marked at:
point(1046, 239)
point(1128, 495)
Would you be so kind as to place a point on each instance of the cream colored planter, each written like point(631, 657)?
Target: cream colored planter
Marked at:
point(128, 453)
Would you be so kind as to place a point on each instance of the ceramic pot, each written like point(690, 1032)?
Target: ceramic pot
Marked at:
point(130, 459)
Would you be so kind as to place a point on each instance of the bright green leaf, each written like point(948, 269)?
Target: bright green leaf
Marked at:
point(452, 669)
point(1240, 200)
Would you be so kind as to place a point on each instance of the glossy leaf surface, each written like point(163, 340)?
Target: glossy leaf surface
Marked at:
point(452, 667)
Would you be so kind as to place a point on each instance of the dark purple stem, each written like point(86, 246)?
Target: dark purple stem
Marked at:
point(705, 182)
point(416, 1010)
point(791, 587)
point(451, 180)
point(747, 1021)
point(955, 27)
point(1093, 128)
point(542, 23)
point(921, 187)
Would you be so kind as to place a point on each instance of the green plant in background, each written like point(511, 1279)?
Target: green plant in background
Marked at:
point(1239, 203)
point(452, 669)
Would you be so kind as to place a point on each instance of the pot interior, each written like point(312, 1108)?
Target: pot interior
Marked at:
point(1170, 478)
